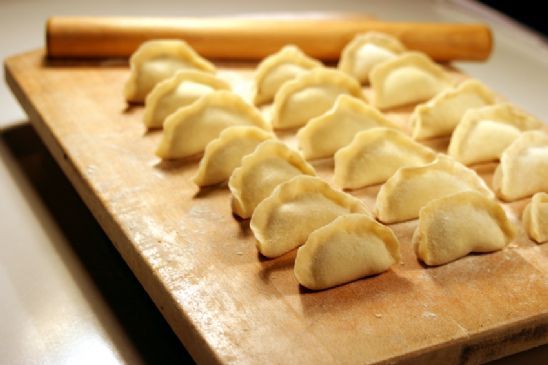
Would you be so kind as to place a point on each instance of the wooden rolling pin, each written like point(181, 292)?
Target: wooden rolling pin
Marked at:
point(254, 38)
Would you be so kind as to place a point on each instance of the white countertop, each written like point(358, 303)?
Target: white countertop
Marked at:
point(65, 294)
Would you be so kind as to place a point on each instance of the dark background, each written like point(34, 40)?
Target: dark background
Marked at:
point(530, 13)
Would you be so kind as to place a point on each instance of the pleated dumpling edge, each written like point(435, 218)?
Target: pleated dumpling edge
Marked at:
point(484, 133)
point(375, 154)
point(161, 58)
point(269, 165)
point(167, 96)
point(439, 116)
point(523, 167)
point(410, 78)
point(188, 130)
point(310, 95)
point(365, 51)
point(535, 218)
point(350, 247)
point(411, 188)
point(224, 154)
point(323, 135)
point(308, 200)
point(455, 225)
point(273, 71)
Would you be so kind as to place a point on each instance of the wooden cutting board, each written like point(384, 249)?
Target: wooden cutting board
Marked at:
point(225, 302)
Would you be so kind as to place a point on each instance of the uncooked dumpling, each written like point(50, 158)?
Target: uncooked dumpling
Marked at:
point(440, 116)
point(295, 208)
point(182, 89)
point(278, 68)
point(350, 247)
point(535, 218)
point(310, 95)
point(271, 164)
point(376, 154)
point(453, 226)
point(225, 153)
point(191, 128)
point(523, 168)
point(410, 78)
point(484, 133)
point(157, 60)
point(411, 188)
point(322, 136)
point(367, 50)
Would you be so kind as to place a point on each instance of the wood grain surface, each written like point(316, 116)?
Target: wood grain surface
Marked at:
point(226, 303)
point(255, 38)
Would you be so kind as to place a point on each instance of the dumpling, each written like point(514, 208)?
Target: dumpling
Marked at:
point(271, 164)
point(278, 68)
point(310, 95)
point(410, 78)
point(224, 154)
point(535, 218)
point(158, 60)
point(376, 154)
point(182, 89)
point(453, 226)
point(440, 116)
point(523, 168)
point(350, 247)
point(295, 208)
point(365, 51)
point(191, 128)
point(322, 136)
point(411, 188)
point(484, 133)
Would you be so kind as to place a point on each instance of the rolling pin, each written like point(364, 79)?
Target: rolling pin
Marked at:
point(251, 39)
